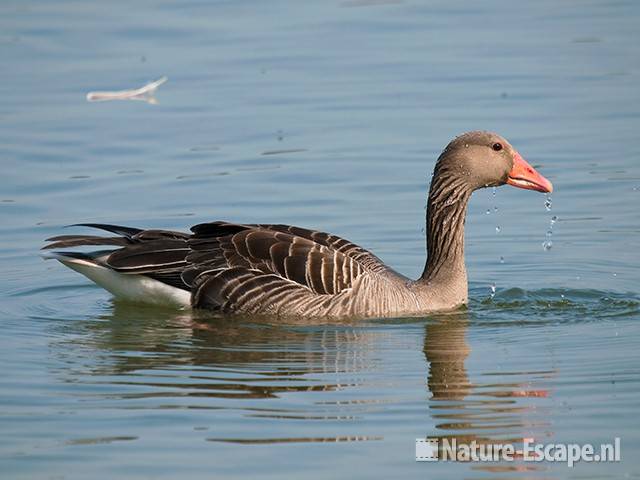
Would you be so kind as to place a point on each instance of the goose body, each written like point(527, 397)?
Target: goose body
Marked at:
point(287, 270)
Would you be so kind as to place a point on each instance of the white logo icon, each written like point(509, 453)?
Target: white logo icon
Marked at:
point(426, 450)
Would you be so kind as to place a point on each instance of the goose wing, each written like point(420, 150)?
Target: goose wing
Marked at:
point(234, 266)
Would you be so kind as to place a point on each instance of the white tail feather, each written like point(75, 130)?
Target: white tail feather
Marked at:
point(130, 287)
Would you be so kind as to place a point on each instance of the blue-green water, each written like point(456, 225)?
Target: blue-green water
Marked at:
point(359, 98)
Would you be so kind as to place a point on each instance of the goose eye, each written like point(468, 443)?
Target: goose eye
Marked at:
point(497, 147)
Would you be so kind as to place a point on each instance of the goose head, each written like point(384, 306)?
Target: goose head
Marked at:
point(485, 159)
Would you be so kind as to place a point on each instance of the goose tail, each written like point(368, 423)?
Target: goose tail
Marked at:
point(125, 287)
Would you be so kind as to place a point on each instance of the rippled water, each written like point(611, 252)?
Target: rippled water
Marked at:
point(327, 115)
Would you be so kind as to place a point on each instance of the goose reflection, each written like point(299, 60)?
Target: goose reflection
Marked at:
point(446, 351)
point(493, 412)
point(232, 369)
point(146, 358)
point(180, 354)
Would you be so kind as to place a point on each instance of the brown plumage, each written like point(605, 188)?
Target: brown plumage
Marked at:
point(288, 270)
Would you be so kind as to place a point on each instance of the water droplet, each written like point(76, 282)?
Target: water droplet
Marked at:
point(498, 229)
point(493, 191)
point(501, 259)
point(495, 209)
point(548, 203)
point(488, 211)
point(547, 244)
point(562, 296)
point(615, 274)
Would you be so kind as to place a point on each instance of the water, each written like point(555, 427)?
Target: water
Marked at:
point(325, 115)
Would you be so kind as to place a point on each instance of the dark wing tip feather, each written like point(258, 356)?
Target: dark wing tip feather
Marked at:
point(90, 256)
point(117, 229)
point(218, 229)
point(66, 241)
point(155, 255)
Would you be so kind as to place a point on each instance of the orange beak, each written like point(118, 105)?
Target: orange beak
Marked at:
point(523, 175)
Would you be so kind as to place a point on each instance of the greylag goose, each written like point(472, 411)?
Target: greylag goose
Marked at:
point(287, 270)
